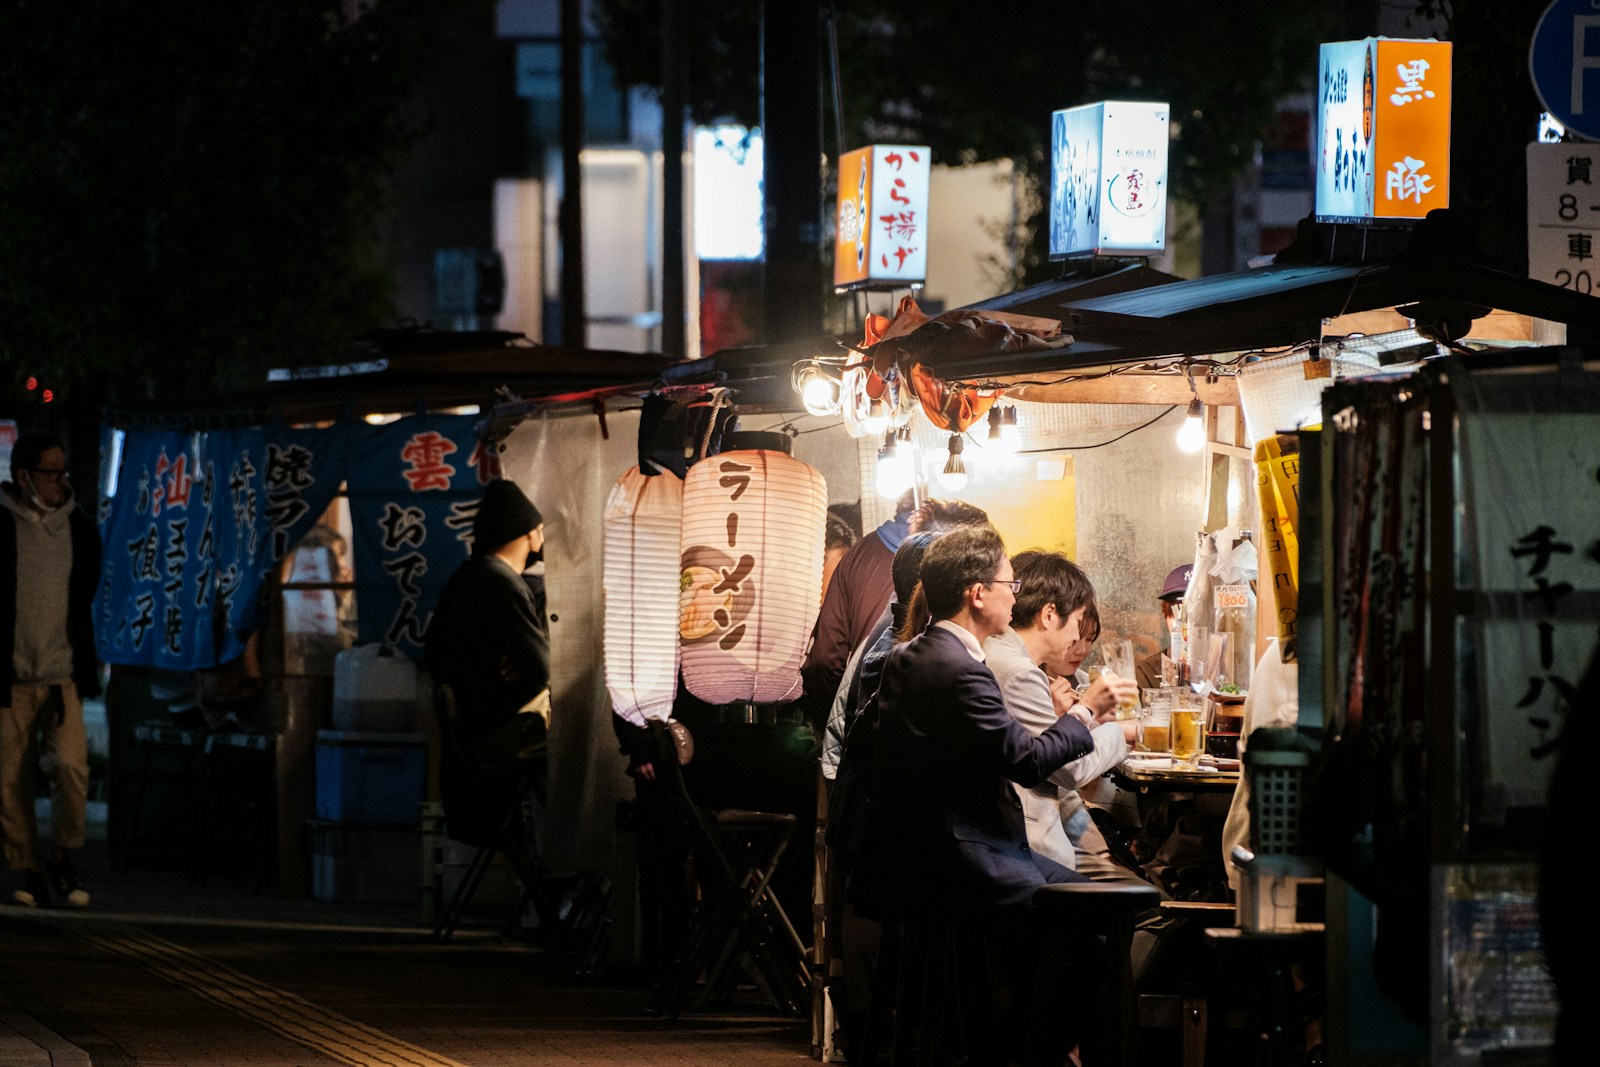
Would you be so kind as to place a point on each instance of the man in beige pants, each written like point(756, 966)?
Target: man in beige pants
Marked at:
point(49, 566)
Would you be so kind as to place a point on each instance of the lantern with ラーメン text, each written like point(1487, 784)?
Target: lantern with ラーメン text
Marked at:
point(642, 526)
point(753, 525)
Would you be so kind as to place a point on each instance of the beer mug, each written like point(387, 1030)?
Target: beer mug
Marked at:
point(1188, 735)
point(1155, 732)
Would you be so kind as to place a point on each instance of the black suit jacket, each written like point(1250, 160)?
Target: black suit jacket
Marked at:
point(945, 835)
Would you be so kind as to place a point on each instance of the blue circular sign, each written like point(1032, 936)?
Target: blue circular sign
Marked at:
point(1564, 63)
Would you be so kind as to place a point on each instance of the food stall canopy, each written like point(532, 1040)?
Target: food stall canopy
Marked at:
point(1433, 274)
point(1274, 306)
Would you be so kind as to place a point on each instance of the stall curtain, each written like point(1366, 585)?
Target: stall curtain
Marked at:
point(1530, 490)
point(568, 466)
point(192, 523)
point(414, 486)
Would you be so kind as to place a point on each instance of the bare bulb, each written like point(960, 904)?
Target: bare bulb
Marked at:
point(1192, 434)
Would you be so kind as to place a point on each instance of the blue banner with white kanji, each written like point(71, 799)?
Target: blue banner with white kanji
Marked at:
point(192, 522)
point(414, 487)
point(279, 481)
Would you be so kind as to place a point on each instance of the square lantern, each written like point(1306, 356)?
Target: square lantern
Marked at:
point(1383, 130)
point(881, 233)
point(1108, 180)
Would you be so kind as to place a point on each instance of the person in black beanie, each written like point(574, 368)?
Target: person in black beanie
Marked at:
point(486, 642)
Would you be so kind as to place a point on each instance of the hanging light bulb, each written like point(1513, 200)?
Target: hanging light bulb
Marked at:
point(1004, 434)
point(995, 421)
point(896, 469)
point(1010, 429)
point(1192, 434)
point(877, 420)
point(954, 475)
point(819, 390)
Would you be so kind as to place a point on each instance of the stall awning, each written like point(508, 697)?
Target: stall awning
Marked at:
point(1273, 307)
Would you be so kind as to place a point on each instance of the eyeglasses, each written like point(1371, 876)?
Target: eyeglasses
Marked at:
point(51, 472)
point(1014, 583)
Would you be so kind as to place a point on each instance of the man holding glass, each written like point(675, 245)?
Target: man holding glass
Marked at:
point(1053, 623)
point(49, 566)
point(945, 839)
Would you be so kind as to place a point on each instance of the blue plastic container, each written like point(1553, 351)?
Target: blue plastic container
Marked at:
point(364, 777)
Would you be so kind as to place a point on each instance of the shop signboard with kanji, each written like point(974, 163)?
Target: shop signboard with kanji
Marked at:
point(1383, 129)
point(415, 486)
point(881, 224)
point(1108, 179)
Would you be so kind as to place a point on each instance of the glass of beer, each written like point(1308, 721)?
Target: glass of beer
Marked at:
point(1155, 734)
point(1120, 661)
point(1188, 735)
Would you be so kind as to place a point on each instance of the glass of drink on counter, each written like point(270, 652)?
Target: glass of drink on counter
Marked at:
point(1119, 661)
point(1155, 734)
point(1188, 735)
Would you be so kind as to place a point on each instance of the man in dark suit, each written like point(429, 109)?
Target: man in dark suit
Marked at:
point(945, 836)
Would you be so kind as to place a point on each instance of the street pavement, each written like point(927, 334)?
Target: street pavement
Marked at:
point(160, 973)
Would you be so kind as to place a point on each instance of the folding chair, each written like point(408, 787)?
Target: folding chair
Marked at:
point(498, 795)
point(738, 926)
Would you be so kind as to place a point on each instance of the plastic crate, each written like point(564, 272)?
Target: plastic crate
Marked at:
point(364, 777)
point(364, 863)
point(1276, 780)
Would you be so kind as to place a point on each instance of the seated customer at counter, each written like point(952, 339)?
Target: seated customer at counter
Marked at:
point(1034, 661)
point(945, 838)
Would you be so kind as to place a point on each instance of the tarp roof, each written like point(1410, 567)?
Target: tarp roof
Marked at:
point(1275, 306)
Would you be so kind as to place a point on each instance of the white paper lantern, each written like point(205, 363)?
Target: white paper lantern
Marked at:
point(642, 526)
point(753, 525)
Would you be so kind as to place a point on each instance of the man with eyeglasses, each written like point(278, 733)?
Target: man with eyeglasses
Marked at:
point(945, 839)
point(49, 567)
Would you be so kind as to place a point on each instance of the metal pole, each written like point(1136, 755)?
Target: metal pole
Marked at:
point(674, 79)
point(574, 315)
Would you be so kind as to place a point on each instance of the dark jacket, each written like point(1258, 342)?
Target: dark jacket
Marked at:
point(81, 584)
point(486, 640)
point(945, 835)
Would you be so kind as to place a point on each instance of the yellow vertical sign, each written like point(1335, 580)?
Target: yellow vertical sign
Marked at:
point(1278, 490)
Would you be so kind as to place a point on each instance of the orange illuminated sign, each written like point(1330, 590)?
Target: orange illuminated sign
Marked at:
point(1384, 129)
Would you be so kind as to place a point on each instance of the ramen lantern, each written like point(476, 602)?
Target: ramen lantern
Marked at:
point(642, 524)
point(753, 521)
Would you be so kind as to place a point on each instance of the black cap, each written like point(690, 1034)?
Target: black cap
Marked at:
point(504, 515)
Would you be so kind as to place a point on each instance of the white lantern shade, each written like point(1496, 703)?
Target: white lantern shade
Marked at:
point(642, 526)
point(753, 528)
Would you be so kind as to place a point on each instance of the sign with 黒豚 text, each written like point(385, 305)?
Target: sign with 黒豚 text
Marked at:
point(1383, 129)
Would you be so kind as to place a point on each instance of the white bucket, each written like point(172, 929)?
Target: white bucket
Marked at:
point(374, 690)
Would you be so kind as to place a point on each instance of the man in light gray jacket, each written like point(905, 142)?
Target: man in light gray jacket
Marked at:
point(49, 566)
point(1052, 627)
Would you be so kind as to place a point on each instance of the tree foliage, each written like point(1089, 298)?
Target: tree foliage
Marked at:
point(190, 191)
point(978, 83)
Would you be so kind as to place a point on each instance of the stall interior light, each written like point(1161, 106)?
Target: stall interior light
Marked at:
point(1005, 435)
point(819, 390)
point(877, 420)
point(954, 476)
point(1192, 434)
point(1010, 430)
point(896, 464)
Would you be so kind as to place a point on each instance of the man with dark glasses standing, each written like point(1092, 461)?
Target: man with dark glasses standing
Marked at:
point(49, 567)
